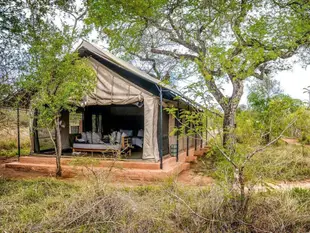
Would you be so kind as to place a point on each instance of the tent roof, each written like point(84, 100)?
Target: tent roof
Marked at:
point(131, 73)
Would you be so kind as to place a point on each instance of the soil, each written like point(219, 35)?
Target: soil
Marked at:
point(293, 141)
point(13, 174)
point(188, 177)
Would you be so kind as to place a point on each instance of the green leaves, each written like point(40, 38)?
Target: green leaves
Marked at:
point(59, 79)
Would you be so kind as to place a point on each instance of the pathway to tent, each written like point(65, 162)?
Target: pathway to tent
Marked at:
point(293, 141)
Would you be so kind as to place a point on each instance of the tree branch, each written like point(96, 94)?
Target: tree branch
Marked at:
point(174, 54)
point(249, 156)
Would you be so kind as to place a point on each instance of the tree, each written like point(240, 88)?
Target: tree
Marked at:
point(17, 18)
point(57, 78)
point(224, 40)
point(270, 108)
point(259, 98)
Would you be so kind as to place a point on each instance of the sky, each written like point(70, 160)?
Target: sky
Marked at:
point(291, 81)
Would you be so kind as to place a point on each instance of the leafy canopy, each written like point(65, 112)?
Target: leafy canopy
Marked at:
point(58, 78)
point(224, 37)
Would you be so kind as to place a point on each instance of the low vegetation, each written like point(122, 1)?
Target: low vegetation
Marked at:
point(277, 163)
point(8, 142)
point(56, 206)
point(8, 132)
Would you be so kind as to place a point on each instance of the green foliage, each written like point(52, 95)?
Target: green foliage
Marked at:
point(201, 27)
point(302, 125)
point(246, 132)
point(57, 79)
point(271, 110)
point(218, 40)
point(302, 195)
point(28, 201)
point(277, 163)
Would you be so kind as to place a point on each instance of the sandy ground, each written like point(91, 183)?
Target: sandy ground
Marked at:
point(13, 174)
point(187, 177)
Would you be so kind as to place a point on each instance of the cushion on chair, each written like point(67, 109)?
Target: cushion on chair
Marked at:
point(113, 137)
point(83, 135)
point(89, 137)
point(118, 138)
point(96, 138)
point(140, 133)
point(129, 133)
point(96, 146)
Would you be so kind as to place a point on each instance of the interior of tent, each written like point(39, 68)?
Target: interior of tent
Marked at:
point(101, 123)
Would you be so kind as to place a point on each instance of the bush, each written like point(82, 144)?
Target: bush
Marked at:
point(55, 206)
point(305, 139)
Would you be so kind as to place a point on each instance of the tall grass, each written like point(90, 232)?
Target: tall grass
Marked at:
point(55, 206)
point(8, 132)
point(8, 142)
point(276, 163)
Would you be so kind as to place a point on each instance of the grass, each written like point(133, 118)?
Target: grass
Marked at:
point(51, 205)
point(8, 144)
point(276, 163)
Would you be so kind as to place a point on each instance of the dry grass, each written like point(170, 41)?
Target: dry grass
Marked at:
point(55, 206)
point(276, 163)
point(8, 132)
point(8, 142)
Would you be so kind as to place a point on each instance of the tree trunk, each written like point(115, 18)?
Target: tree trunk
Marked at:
point(240, 184)
point(229, 106)
point(266, 137)
point(229, 126)
point(230, 109)
point(58, 148)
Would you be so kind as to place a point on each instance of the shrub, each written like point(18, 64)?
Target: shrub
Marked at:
point(56, 206)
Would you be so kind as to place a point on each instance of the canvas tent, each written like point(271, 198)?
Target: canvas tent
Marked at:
point(121, 84)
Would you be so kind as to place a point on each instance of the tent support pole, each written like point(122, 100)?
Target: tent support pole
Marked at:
point(206, 131)
point(187, 138)
point(18, 133)
point(178, 125)
point(201, 137)
point(36, 141)
point(161, 127)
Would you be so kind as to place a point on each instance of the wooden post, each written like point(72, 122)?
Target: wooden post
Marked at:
point(18, 133)
point(187, 138)
point(206, 131)
point(178, 125)
point(161, 127)
point(36, 142)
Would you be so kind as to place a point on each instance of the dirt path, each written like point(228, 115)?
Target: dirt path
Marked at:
point(293, 141)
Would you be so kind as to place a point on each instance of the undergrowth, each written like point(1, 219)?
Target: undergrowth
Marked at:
point(49, 205)
point(276, 163)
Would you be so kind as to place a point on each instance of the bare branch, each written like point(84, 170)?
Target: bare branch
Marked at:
point(174, 54)
point(249, 156)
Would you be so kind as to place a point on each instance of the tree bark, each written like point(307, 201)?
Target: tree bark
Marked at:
point(229, 126)
point(58, 150)
point(229, 106)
